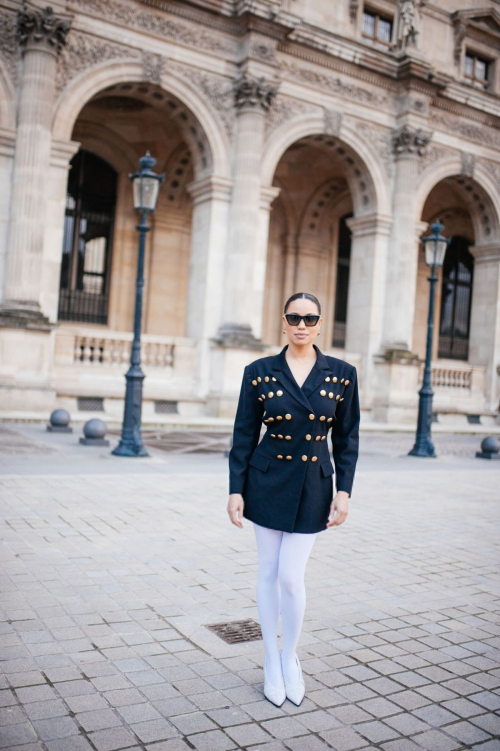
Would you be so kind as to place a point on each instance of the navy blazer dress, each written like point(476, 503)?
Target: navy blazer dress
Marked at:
point(286, 479)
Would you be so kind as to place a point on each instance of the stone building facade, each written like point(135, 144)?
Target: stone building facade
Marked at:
point(306, 145)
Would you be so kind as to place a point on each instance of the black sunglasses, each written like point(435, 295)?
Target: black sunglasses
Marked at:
point(294, 319)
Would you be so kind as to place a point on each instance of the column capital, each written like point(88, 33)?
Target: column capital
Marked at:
point(485, 253)
point(210, 187)
point(409, 140)
point(367, 224)
point(255, 94)
point(62, 151)
point(39, 28)
point(267, 196)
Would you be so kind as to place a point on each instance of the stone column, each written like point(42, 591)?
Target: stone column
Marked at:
point(41, 36)
point(365, 303)
point(211, 197)
point(484, 339)
point(252, 98)
point(409, 145)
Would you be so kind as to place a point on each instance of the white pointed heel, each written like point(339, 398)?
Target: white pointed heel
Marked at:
point(295, 690)
point(275, 694)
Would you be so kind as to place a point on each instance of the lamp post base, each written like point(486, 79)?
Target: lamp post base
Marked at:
point(424, 448)
point(129, 449)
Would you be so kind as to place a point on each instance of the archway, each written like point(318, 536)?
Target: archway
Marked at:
point(323, 182)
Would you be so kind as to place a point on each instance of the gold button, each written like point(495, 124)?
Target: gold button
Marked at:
point(289, 457)
point(311, 417)
point(337, 397)
point(322, 418)
point(304, 458)
point(270, 394)
point(330, 395)
point(334, 379)
point(318, 438)
point(279, 417)
point(254, 383)
point(341, 380)
point(288, 437)
point(279, 393)
point(259, 379)
point(346, 383)
point(259, 398)
point(273, 435)
point(330, 419)
point(274, 378)
point(279, 456)
point(323, 392)
point(341, 400)
point(263, 396)
point(280, 436)
point(266, 379)
point(308, 437)
point(314, 458)
point(288, 416)
point(271, 419)
point(327, 379)
point(323, 437)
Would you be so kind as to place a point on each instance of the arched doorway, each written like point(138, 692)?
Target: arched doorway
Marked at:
point(456, 300)
point(323, 183)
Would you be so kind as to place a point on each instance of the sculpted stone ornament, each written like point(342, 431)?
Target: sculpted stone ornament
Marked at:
point(406, 140)
point(408, 24)
point(468, 163)
point(253, 92)
point(41, 28)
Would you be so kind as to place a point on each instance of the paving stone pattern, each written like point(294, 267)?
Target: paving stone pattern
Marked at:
point(109, 578)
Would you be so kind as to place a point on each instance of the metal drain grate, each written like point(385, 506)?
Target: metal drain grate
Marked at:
point(90, 403)
point(237, 632)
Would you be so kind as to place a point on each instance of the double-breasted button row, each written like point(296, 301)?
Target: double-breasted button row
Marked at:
point(278, 435)
point(280, 456)
point(259, 380)
point(305, 458)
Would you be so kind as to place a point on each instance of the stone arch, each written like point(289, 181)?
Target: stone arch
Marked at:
point(106, 75)
point(478, 193)
point(177, 176)
point(320, 205)
point(7, 99)
point(365, 167)
point(108, 145)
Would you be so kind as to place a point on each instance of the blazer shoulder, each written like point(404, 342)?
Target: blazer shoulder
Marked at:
point(343, 365)
point(261, 363)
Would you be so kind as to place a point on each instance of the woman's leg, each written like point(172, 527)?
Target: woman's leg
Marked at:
point(294, 553)
point(268, 596)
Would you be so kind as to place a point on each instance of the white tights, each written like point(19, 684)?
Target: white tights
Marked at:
point(282, 563)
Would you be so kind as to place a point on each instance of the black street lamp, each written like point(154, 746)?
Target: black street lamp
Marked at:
point(435, 248)
point(146, 185)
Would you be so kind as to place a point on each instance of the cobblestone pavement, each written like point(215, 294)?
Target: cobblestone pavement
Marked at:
point(111, 569)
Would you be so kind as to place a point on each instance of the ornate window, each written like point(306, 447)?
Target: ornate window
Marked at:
point(376, 28)
point(342, 283)
point(456, 298)
point(87, 242)
point(476, 69)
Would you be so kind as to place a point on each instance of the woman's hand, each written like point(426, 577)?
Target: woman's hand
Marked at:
point(235, 509)
point(339, 509)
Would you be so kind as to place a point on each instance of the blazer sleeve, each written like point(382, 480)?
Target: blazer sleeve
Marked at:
point(345, 435)
point(246, 432)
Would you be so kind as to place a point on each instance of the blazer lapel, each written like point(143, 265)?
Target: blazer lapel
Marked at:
point(317, 374)
point(314, 378)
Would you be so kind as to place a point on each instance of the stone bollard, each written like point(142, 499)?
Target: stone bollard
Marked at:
point(94, 432)
point(490, 448)
point(59, 422)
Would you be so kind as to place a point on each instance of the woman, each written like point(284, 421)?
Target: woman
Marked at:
point(284, 483)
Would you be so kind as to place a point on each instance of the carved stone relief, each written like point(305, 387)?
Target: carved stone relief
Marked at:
point(407, 140)
point(380, 139)
point(433, 154)
point(263, 51)
point(83, 51)
point(468, 163)
point(284, 109)
point(467, 129)
point(8, 47)
point(333, 122)
point(41, 28)
point(132, 17)
point(153, 66)
point(408, 24)
point(332, 84)
point(493, 168)
point(253, 92)
point(218, 91)
point(353, 10)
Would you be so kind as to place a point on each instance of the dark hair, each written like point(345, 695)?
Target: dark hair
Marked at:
point(305, 296)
